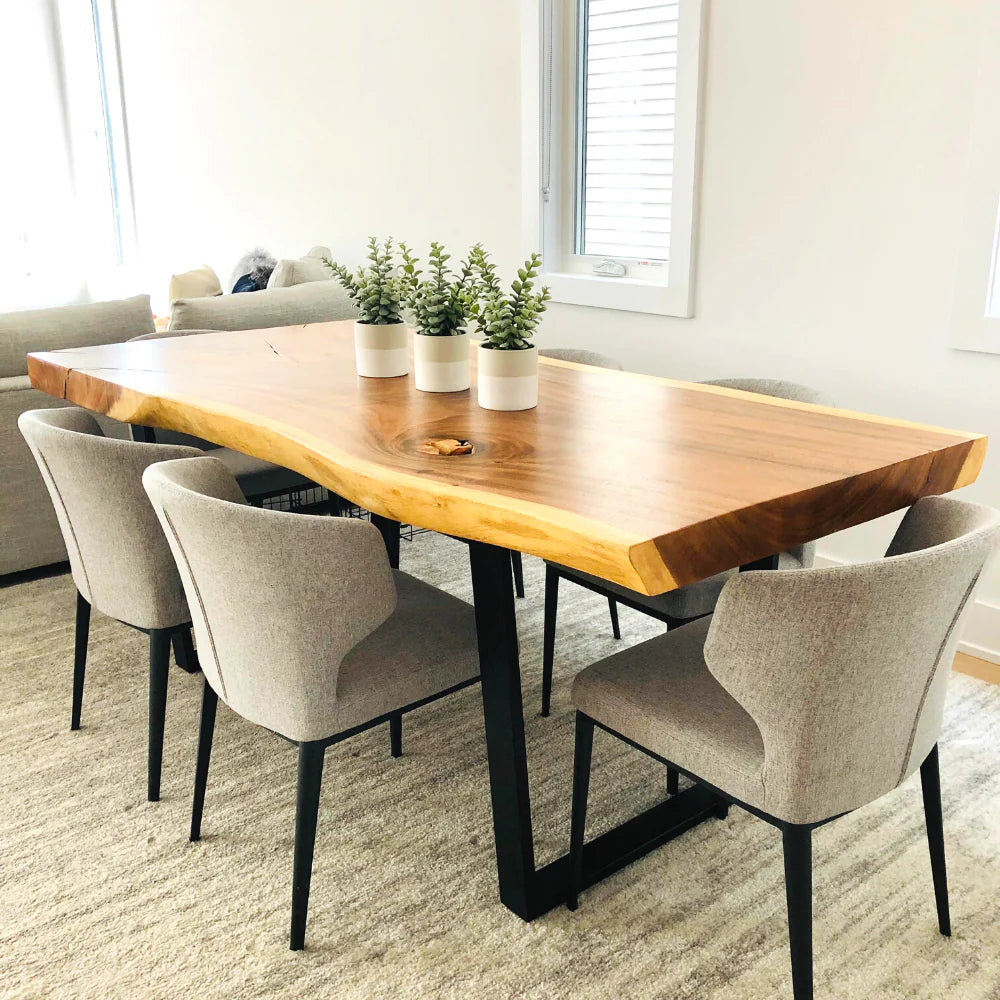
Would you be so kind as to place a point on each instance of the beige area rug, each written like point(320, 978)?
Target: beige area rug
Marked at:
point(102, 896)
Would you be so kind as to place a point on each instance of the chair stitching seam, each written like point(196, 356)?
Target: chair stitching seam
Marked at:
point(69, 521)
point(933, 671)
point(201, 603)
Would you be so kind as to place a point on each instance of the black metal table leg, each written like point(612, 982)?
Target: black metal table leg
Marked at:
point(504, 716)
point(390, 535)
point(81, 640)
point(526, 891)
point(144, 434)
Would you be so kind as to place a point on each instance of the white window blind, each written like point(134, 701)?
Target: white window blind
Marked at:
point(627, 94)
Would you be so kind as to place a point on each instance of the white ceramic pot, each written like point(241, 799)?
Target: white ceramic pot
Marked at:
point(508, 380)
point(441, 364)
point(381, 351)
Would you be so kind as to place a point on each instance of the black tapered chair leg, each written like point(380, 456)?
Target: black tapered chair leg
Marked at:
point(673, 781)
point(396, 734)
point(798, 893)
point(80, 657)
point(613, 608)
point(518, 567)
point(184, 652)
point(582, 753)
point(930, 782)
point(209, 703)
point(306, 812)
point(159, 665)
point(549, 640)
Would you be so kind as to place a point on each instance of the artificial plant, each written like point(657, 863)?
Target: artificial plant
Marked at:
point(376, 289)
point(440, 303)
point(506, 321)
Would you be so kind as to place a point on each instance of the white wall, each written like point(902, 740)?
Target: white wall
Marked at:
point(835, 147)
point(303, 122)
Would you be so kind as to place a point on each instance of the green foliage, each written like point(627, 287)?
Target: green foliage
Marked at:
point(506, 322)
point(377, 289)
point(440, 303)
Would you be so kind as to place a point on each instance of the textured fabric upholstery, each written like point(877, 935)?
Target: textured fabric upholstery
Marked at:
point(427, 645)
point(303, 653)
point(661, 695)
point(699, 598)
point(581, 357)
point(298, 272)
point(29, 531)
point(69, 326)
point(843, 670)
point(197, 282)
point(312, 302)
point(778, 388)
point(119, 557)
point(693, 601)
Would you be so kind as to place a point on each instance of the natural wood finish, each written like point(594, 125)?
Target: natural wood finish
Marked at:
point(648, 482)
point(975, 667)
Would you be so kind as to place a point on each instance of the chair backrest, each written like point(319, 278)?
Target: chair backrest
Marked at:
point(776, 387)
point(805, 554)
point(277, 599)
point(69, 326)
point(119, 557)
point(581, 357)
point(844, 669)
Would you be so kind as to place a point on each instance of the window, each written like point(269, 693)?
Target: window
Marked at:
point(617, 107)
point(975, 319)
point(69, 227)
point(993, 299)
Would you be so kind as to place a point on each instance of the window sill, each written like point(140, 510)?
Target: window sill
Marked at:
point(627, 294)
point(980, 335)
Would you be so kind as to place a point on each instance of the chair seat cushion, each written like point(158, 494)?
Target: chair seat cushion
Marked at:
point(692, 601)
point(257, 477)
point(661, 695)
point(427, 645)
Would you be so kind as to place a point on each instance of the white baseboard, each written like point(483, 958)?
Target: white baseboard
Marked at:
point(980, 631)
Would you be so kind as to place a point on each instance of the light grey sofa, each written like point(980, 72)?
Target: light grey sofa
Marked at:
point(310, 302)
point(29, 531)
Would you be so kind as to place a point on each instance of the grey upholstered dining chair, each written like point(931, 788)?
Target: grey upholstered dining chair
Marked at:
point(685, 604)
point(118, 556)
point(579, 356)
point(808, 694)
point(314, 657)
point(259, 480)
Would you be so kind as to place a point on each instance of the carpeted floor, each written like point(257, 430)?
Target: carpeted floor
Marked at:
point(102, 896)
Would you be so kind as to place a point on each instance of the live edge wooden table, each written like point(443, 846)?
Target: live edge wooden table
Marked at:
point(648, 482)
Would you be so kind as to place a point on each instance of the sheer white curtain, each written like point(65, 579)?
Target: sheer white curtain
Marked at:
point(57, 212)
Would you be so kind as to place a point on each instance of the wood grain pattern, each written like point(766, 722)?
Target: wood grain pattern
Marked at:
point(649, 482)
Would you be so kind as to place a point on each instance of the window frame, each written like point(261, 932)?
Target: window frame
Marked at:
point(550, 147)
point(971, 326)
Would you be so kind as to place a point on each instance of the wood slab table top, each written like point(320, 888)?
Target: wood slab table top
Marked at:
point(648, 482)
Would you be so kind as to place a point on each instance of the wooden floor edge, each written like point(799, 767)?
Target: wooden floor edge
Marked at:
point(973, 666)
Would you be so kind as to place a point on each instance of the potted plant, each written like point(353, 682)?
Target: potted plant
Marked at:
point(440, 304)
point(507, 362)
point(380, 347)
